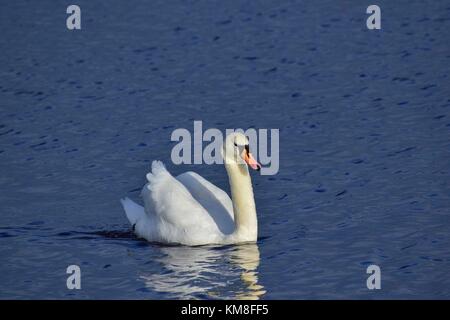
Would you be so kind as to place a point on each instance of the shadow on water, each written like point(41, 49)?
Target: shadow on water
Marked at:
point(208, 272)
point(106, 234)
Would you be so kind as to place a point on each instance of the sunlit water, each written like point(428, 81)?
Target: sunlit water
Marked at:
point(364, 135)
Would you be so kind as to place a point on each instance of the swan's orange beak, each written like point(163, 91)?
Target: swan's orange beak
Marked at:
point(248, 158)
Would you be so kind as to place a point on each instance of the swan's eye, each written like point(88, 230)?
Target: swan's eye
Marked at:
point(235, 144)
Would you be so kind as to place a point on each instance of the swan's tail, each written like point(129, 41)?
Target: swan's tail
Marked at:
point(133, 211)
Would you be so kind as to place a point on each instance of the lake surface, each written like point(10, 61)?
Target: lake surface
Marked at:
point(364, 119)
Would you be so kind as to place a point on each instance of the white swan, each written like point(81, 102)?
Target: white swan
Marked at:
point(192, 211)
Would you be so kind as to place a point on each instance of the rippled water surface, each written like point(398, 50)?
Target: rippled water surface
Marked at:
point(364, 119)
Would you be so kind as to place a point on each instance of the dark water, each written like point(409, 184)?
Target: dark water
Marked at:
point(364, 119)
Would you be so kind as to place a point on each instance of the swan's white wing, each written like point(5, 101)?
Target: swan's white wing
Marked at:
point(178, 216)
point(212, 198)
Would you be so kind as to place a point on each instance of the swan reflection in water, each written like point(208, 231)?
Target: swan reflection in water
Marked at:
point(208, 272)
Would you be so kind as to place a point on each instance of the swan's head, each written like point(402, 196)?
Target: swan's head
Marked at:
point(236, 149)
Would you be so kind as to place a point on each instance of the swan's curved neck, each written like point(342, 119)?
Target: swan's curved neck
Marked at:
point(246, 224)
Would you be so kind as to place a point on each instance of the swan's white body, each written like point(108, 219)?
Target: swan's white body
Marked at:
point(190, 210)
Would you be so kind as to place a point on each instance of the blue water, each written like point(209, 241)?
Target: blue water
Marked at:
point(364, 119)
